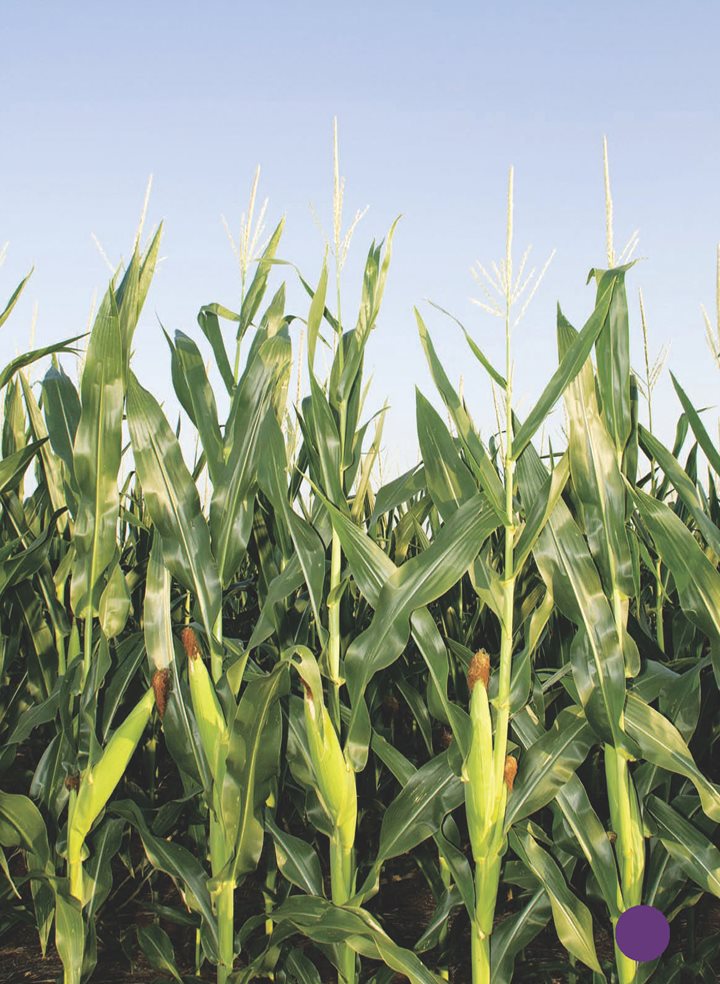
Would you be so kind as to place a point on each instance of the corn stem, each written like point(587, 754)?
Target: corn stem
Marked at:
point(625, 817)
point(342, 886)
point(219, 848)
point(487, 867)
point(74, 867)
point(334, 630)
point(226, 931)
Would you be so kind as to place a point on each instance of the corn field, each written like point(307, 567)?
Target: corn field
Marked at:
point(246, 690)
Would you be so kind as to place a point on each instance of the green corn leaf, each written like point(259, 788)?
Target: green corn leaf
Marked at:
point(571, 364)
point(42, 662)
point(372, 568)
point(661, 743)
point(61, 405)
point(400, 766)
point(434, 652)
point(297, 860)
point(325, 440)
point(155, 944)
point(301, 968)
point(573, 802)
point(415, 585)
point(682, 484)
point(404, 771)
point(14, 467)
point(696, 579)
point(474, 348)
point(597, 481)
point(22, 825)
point(210, 325)
point(698, 428)
point(231, 508)
point(572, 918)
point(129, 654)
point(280, 588)
point(681, 702)
point(419, 710)
point(417, 812)
point(36, 715)
point(274, 319)
point(397, 492)
point(256, 290)
point(346, 371)
point(374, 281)
point(539, 510)
point(613, 356)
point(699, 859)
point(96, 458)
point(309, 548)
point(133, 289)
point(27, 358)
point(97, 872)
point(173, 502)
point(253, 761)
point(147, 266)
point(315, 315)
point(52, 467)
point(126, 300)
point(515, 933)
point(5, 314)
point(157, 626)
point(14, 432)
point(324, 922)
point(177, 862)
point(197, 398)
point(436, 929)
point(548, 764)
point(448, 480)
point(17, 567)
point(567, 569)
point(477, 455)
point(521, 676)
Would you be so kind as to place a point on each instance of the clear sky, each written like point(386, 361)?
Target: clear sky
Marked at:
point(434, 102)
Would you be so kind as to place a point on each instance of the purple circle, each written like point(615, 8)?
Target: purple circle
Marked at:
point(642, 933)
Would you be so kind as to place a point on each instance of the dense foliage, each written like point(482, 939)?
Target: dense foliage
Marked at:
point(499, 670)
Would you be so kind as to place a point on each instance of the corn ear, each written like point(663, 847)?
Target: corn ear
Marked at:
point(208, 713)
point(334, 776)
point(478, 772)
point(99, 781)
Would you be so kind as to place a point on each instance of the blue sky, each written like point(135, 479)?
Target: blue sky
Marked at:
point(434, 101)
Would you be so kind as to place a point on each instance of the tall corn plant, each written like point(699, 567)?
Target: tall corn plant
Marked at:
point(332, 454)
point(488, 771)
point(239, 739)
point(399, 596)
point(31, 644)
point(332, 447)
point(80, 464)
point(98, 587)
